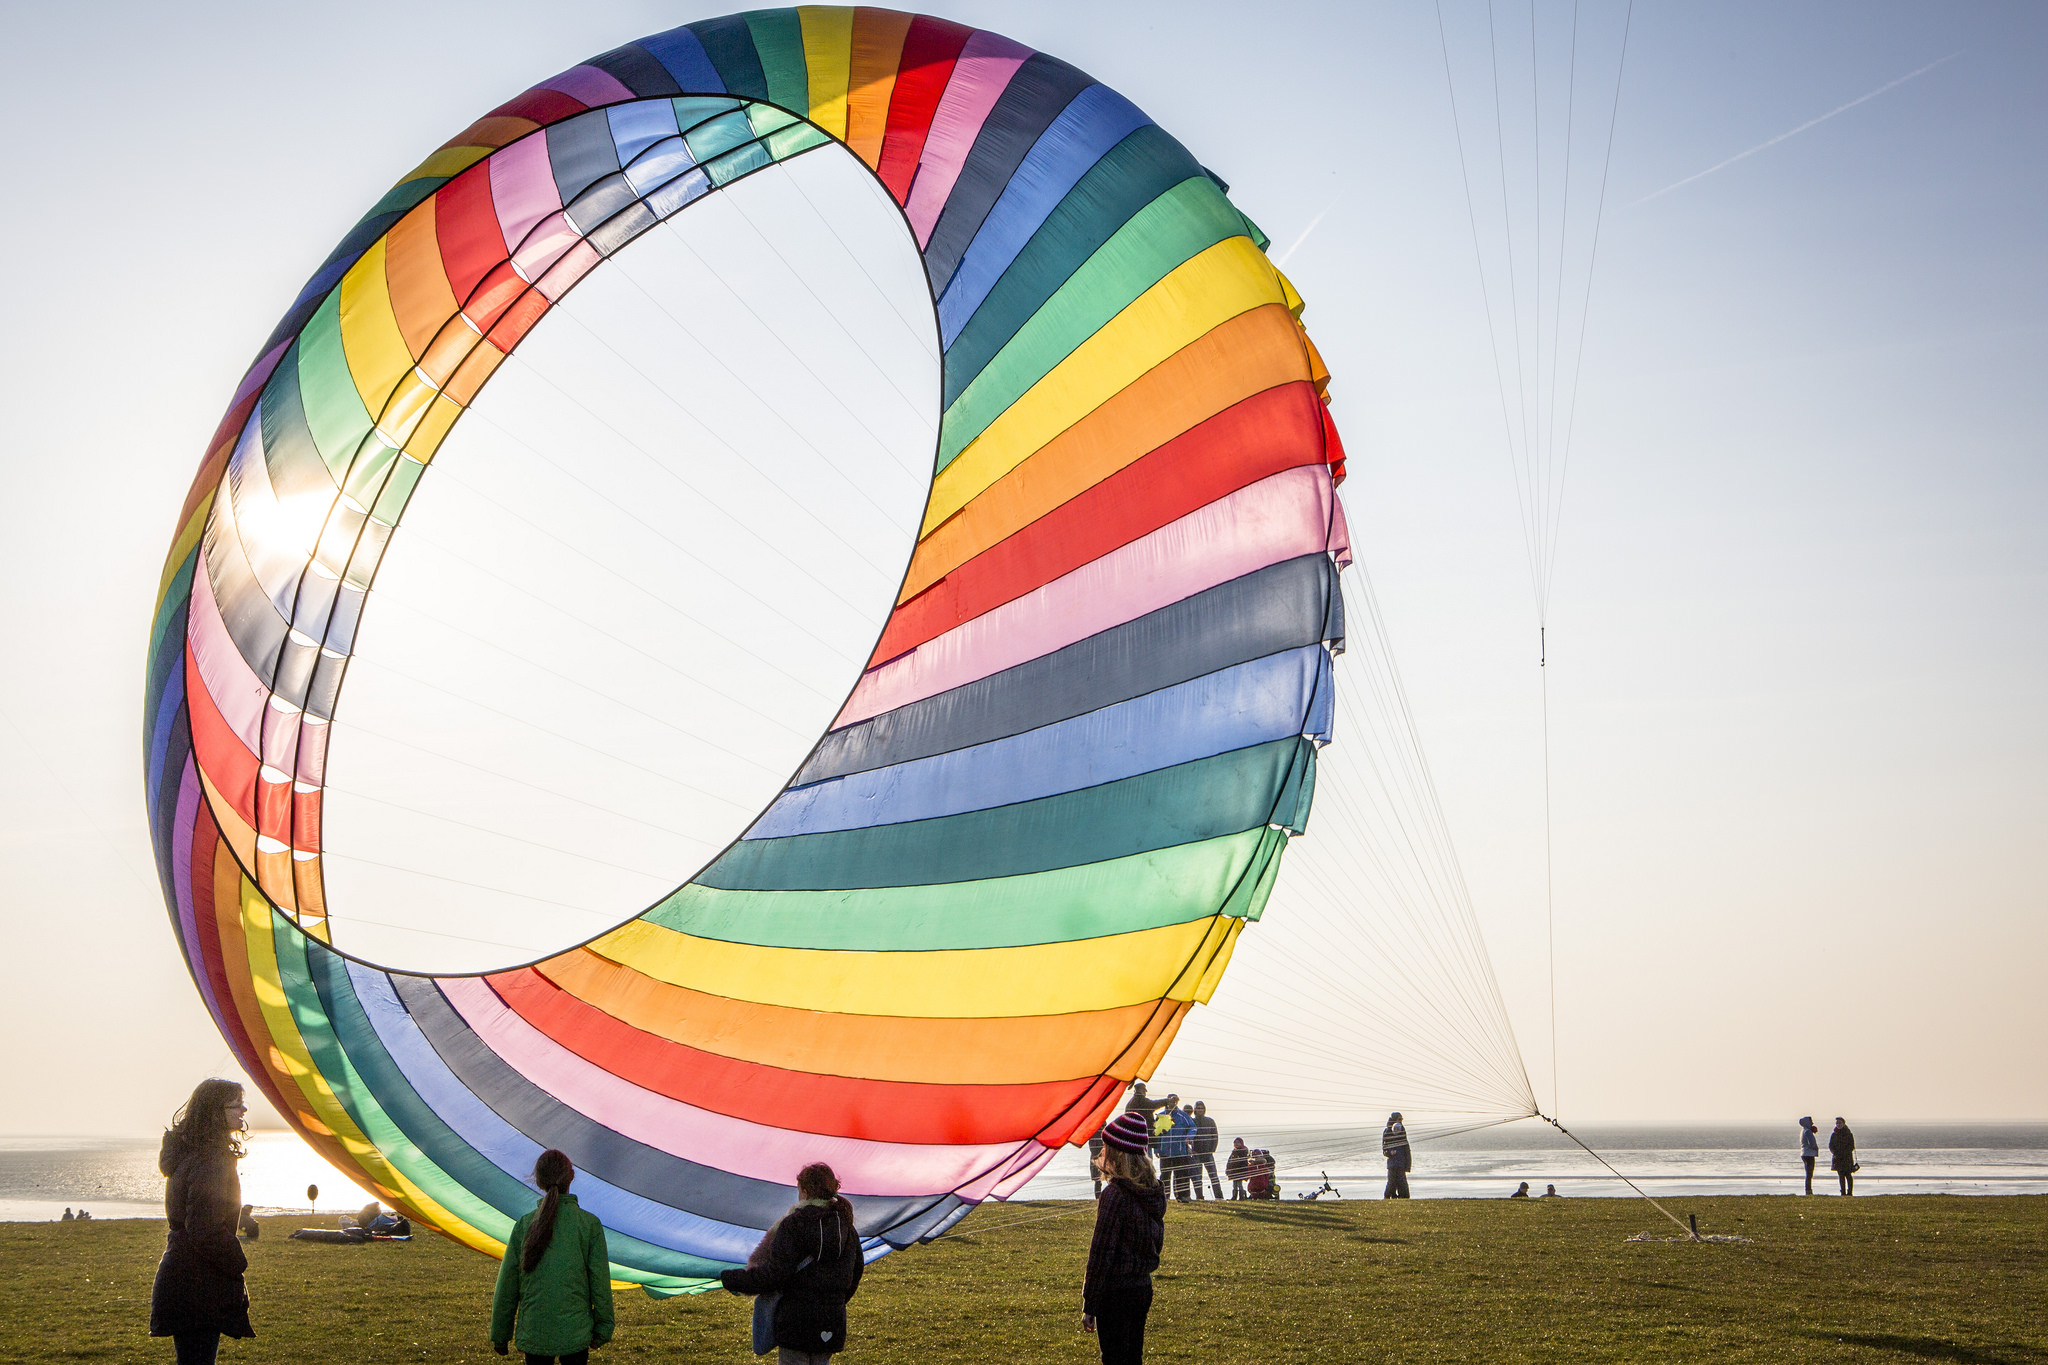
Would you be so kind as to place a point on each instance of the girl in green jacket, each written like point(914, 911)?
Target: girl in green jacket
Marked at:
point(556, 1278)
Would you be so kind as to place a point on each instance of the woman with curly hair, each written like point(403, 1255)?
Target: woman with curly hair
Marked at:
point(1130, 1232)
point(199, 1296)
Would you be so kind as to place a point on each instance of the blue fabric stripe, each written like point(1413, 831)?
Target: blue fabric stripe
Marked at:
point(1234, 708)
point(511, 1150)
point(683, 54)
point(1082, 135)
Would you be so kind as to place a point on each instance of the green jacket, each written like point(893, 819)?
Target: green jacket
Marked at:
point(565, 1305)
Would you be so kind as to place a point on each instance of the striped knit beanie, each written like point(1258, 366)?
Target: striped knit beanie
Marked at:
point(1127, 1132)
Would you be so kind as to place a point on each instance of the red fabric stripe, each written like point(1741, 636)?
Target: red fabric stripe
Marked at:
point(838, 1106)
point(466, 228)
point(929, 51)
point(1333, 448)
point(1278, 429)
point(541, 105)
point(205, 841)
point(216, 747)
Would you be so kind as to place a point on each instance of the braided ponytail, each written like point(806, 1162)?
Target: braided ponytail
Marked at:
point(553, 1174)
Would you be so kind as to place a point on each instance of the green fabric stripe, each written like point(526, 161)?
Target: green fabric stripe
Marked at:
point(447, 1148)
point(335, 414)
point(1142, 891)
point(176, 595)
point(1248, 902)
point(1185, 221)
point(406, 195)
point(1136, 171)
point(779, 38)
point(1223, 794)
point(356, 1096)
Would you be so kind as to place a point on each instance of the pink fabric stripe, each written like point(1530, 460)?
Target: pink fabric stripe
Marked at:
point(730, 1144)
point(312, 762)
point(522, 189)
point(591, 84)
point(1276, 518)
point(545, 244)
point(562, 276)
point(986, 64)
point(236, 690)
point(280, 738)
point(1029, 1164)
point(1340, 531)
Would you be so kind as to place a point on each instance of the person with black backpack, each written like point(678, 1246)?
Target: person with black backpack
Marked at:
point(810, 1262)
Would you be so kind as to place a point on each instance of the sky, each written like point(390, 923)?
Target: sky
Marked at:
point(1798, 625)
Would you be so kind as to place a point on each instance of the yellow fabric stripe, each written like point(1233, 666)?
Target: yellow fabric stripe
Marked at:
point(1202, 293)
point(298, 1063)
point(194, 527)
point(376, 350)
point(968, 983)
point(828, 53)
point(448, 161)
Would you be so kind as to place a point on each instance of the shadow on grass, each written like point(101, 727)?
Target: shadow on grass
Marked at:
point(1299, 1214)
point(1935, 1348)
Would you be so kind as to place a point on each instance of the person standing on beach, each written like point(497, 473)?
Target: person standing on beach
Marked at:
point(812, 1259)
point(1842, 1148)
point(1809, 1148)
point(1130, 1232)
point(1202, 1151)
point(199, 1296)
point(1394, 1147)
point(554, 1295)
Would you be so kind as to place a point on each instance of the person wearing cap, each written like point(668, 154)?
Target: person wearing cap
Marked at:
point(1809, 1148)
point(1130, 1232)
point(1394, 1147)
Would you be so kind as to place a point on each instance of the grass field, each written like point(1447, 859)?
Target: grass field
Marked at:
point(1903, 1278)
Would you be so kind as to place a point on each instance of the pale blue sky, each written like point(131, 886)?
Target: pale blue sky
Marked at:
point(1800, 622)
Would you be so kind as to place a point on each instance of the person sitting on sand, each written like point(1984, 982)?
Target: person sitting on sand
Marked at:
point(1842, 1147)
point(84, 1216)
point(1521, 1191)
point(554, 1294)
point(1809, 1147)
point(1237, 1167)
point(1550, 1192)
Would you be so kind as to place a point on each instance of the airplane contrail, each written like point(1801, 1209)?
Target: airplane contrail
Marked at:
point(1304, 237)
point(1761, 146)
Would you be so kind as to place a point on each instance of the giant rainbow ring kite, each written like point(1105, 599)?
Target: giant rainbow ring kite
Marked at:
point(1026, 846)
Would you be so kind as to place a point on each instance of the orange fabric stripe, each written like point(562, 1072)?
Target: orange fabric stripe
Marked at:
point(420, 297)
point(877, 46)
point(1252, 352)
point(1005, 1051)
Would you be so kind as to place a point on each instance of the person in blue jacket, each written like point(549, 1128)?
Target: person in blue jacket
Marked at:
point(1177, 1147)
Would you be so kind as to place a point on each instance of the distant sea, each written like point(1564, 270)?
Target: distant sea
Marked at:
point(114, 1178)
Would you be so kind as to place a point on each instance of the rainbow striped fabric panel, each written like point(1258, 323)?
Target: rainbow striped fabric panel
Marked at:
point(1057, 794)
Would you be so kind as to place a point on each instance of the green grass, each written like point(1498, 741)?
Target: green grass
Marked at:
point(1901, 1279)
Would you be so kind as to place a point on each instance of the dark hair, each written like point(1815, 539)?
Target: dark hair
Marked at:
point(202, 1125)
point(816, 1181)
point(552, 1172)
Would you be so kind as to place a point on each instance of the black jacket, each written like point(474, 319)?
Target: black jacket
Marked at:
point(812, 1313)
point(199, 1280)
point(1842, 1146)
point(1205, 1139)
point(1130, 1232)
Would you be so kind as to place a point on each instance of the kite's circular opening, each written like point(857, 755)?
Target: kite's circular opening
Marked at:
point(638, 578)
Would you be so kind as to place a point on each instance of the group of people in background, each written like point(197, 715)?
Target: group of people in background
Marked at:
point(1841, 1153)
